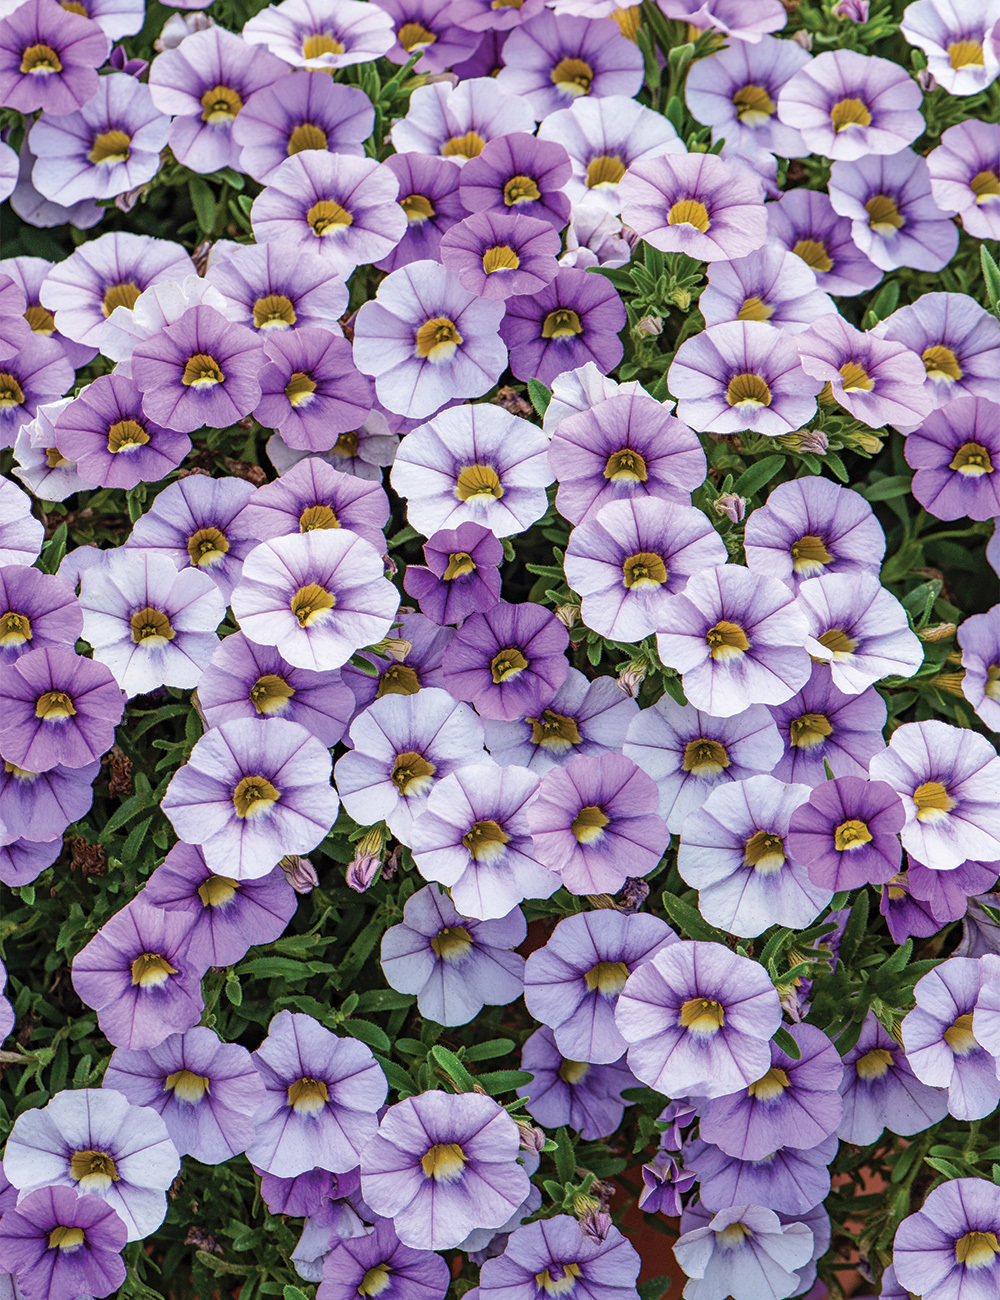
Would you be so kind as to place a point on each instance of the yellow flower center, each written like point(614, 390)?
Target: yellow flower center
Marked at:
point(53, 706)
point(589, 823)
point(63, 1237)
point(851, 835)
point(726, 641)
point(645, 569)
point(732, 1236)
point(705, 758)
point(202, 371)
point(11, 392)
point(346, 445)
point(312, 604)
point(748, 389)
point(151, 971)
point(399, 679)
point(485, 841)
point(217, 891)
point(626, 466)
point(412, 774)
point(959, 1036)
point(506, 664)
point(572, 1072)
point(554, 731)
point(476, 482)
point(307, 1096)
point(151, 628)
point(459, 564)
point(765, 852)
point(304, 137)
point(573, 77)
point(320, 43)
point(563, 323)
point(300, 388)
point(418, 209)
point(849, 112)
point(120, 295)
point(977, 1249)
point(856, 378)
point(933, 801)
point(54, 458)
point(883, 215)
point(40, 60)
point(562, 1283)
point(813, 253)
point(607, 977)
point(689, 212)
point(444, 1162)
point(754, 106)
point(772, 1085)
point(15, 629)
point(702, 1016)
point(327, 218)
point(809, 555)
point(375, 1280)
point(992, 688)
point(972, 460)
point(451, 943)
point(253, 796)
point(941, 364)
point(274, 311)
point(187, 1086)
point(220, 105)
point(40, 320)
point(629, 21)
point(207, 546)
point(874, 1063)
point(470, 145)
point(271, 694)
point(605, 169)
point(437, 339)
point(109, 147)
point(126, 436)
point(317, 518)
point(985, 186)
point(754, 308)
point(413, 36)
point(809, 730)
point(965, 54)
point(95, 1171)
point(837, 641)
point(520, 189)
point(501, 257)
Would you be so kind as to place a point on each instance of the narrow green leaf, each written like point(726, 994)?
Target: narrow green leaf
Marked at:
point(887, 489)
point(991, 277)
point(565, 1156)
point(690, 920)
point(452, 1067)
point(787, 1043)
point(365, 1032)
point(758, 475)
point(489, 1051)
point(540, 396)
point(203, 202)
point(498, 1081)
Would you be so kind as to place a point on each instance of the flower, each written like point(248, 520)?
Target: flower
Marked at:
point(367, 1260)
point(140, 976)
point(735, 92)
point(111, 441)
point(958, 42)
point(697, 1019)
point(771, 284)
point(205, 1090)
point(31, 207)
point(474, 464)
point(453, 964)
point(556, 1251)
point(37, 612)
point(572, 984)
point(820, 724)
point(894, 220)
point(745, 1252)
point(311, 390)
point(457, 122)
point(31, 455)
point(426, 340)
point(323, 1093)
point(509, 661)
point(501, 255)
point(940, 1043)
point(474, 837)
point(32, 377)
point(362, 451)
point(551, 59)
point(480, 16)
point(946, 1249)
point(743, 375)
point(403, 664)
point(793, 1181)
point(805, 222)
point(461, 576)
point(957, 340)
point(42, 804)
point(49, 58)
point(57, 1243)
point(696, 204)
point(29, 273)
point(948, 779)
point(426, 28)
point(979, 638)
point(272, 287)
point(965, 176)
point(58, 709)
point(225, 917)
point(156, 307)
point(859, 629)
point(441, 1165)
point(96, 1142)
point(518, 173)
point(573, 320)
point(334, 204)
point(809, 526)
point(626, 560)
point(150, 624)
point(296, 114)
point(849, 105)
point(881, 1091)
point(688, 752)
point(730, 17)
point(203, 84)
point(956, 452)
point(586, 1097)
point(429, 195)
point(251, 793)
point(846, 833)
point(322, 36)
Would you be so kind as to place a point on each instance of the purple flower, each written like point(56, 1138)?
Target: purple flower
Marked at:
point(480, 16)
point(664, 1181)
point(809, 526)
point(859, 628)
point(572, 984)
point(296, 114)
point(509, 661)
point(850, 105)
point(461, 576)
point(746, 1252)
point(426, 28)
point(39, 806)
point(59, 1244)
point(32, 208)
point(311, 390)
point(573, 320)
point(474, 464)
point(398, 670)
point(564, 1258)
point(881, 1091)
point(846, 833)
point(586, 1097)
point(454, 965)
point(334, 204)
point(594, 823)
point(273, 288)
point(30, 274)
point(112, 441)
point(949, 781)
point(965, 176)
point(225, 917)
point(698, 1018)
point(202, 370)
point(626, 560)
point(37, 612)
point(624, 446)
point(805, 222)
point(501, 255)
point(33, 376)
point(428, 194)
point(550, 60)
point(441, 1165)
point(31, 455)
point(822, 725)
point(457, 122)
point(518, 173)
point(59, 709)
point(251, 793)
point(139, 975)
point(313, 496)
point(979, 638)
point(736, 637)
point(474, 837)
point(206, 1091)
point(696, 204)
point(907, 916)
point(730, 17)
point(894, 220)
point(320, 36)
point(321, 594)
point(362, 451)
point(150, 624)
point(959, 42)
point(956, 452)
point(49, 58)
point(793, 1181)
point(957, 340)
point(946, 1249)
point(380, 1260)
point(323, 1093)
point(940, 1044)
point(771, 284)
point(427, 341)
point(743, 375)
point(97, 1142)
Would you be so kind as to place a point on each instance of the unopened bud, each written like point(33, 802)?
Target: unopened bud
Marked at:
point(363, 867)
point(649, 326)
point(631, 237)
point(926, 80)
point(532, 1138)
point(567, 614)
point(804, 39)
point(600, 900)
point(866, 442)
point(583, 1205)
point(127, 201)
point(300, 873)
point(396, 647)
point(732, 506)
point(681, 298)
point(950, 683)
point(595, 1225)
point(630, 678)
point(855, 11)
point(391, 864)
point(937, 632)
point(807, 440)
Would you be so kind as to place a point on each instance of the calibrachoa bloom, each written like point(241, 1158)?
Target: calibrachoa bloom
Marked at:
point(311, 390)
point(556, 1251)
point(771, 284)
point(946, 1250)
point(38, 372)
point(805, 222)
point(441, 1165)
point(501, 255)
point(745, 1252)
point(729, 17)
point(38, 806)
point(272, 287)
point(979, 638)
point(428, 194)
point(206, 1091)
point(37, 611)
point(425, 28)
point(820, 725)
point(572, 984)
point(793, 1181)
point(252, 792)
point(956, 453)
point(573, 320)
point(322, 36)
point(457, 122)
point(461, 576)
point(405, 663)
point(965, 176)
point(696, 204)
point(363, 1262)
point(321, 595)
point(586, 1097)
point(453, 964)
point(313, 496)
point(60, 1245)
point(49, 58)
point(509, 661)
point(957, 340)
point(881, 1091)
point(958, 40)
point(323, 1093)
point(846, 833)
point(518, 173)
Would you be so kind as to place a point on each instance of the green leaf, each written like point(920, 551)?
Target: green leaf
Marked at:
point(276, 968)
point(784, 1040)
point(758, 475)
point(452, 1067)
point(653, 1288)
point(690, 920)
point(565, 1156)
point(397, 1076)
point(497, 1081)
point(203, 202)
point(293, 1293)
point(855, 927)
point(540, 396)
point(54, 550)
point(488, 1051)
point(887, 489)
point(234, 990)
point(365, 1032)
point(991, 278)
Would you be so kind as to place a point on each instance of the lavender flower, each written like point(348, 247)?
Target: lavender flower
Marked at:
point(846, 833)
point(49, 58)
point(509, 661)
point(37, 612)
point(311, 390)
point(457, 122)
point(955, 453)
point(518, 173)
point(965, 176)
point(946, 1249)
point(272, 287)
point(321, 36)
point(58, 1244)
point(573, 320)
point(429, 195)
point(379, 1259)
point(820, 724)
point(959, 43)
point(805, 222)
point(771, 284)
point(586, 1097)
point(556, 1251)
point(461, 576)
point(296, 114)
point(881, 1091)
point(746, 1252)
point(38, 806)
point(501, 255)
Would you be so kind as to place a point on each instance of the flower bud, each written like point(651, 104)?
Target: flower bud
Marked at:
point(300, 873)
point(937, 632)
point(649, 327)
point(595, 1226)
point(630, 678)
point(855, 11)
point(363, 867)
point(804, 39)
point(732, 506)
point(681, 298)
point(567, 614)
